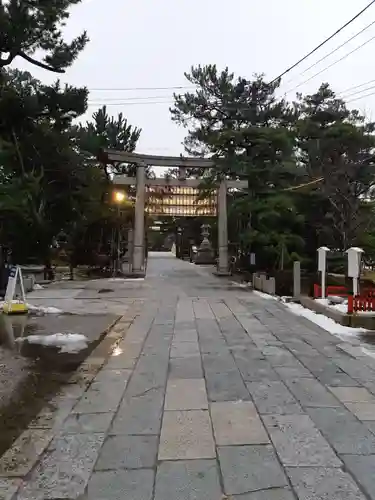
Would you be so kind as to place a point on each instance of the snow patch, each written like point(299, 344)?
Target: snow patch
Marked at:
point(37, 287)
point(323, 321)
point(266, 295)
point(44, 310)
point(65, 342)
point(241, 284)
point(126, 279)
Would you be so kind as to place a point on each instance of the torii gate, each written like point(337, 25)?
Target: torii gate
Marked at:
point(142, 161)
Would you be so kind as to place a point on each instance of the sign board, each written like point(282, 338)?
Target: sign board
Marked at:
point(322, 257)
point(252, 259)
point(15, 274)
point(354, 261)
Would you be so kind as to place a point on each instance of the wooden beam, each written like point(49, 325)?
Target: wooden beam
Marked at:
point(114, 156)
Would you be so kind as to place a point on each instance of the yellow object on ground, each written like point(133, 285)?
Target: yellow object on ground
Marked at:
point(15, 308)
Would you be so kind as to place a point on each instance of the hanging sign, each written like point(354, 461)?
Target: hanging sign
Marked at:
point(13, 305)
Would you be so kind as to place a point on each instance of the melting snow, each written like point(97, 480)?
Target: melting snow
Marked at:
point(266, 295)
point(126, 279)
point(66, 342)
point(323, 321)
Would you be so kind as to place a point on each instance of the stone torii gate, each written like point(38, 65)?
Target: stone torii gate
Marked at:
point(142, 161)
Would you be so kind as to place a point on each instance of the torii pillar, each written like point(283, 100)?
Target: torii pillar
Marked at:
point(139, 223)
point(223, 264)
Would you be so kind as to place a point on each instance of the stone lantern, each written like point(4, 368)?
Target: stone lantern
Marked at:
point(205, 253)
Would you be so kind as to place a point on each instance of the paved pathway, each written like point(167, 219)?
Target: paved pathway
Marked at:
point(213, 393)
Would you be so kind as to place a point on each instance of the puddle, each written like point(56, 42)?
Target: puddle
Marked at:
point(30, 374)
point(47, 358)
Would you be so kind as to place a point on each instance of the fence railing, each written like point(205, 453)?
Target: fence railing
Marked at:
point(361, 304)
point(338, 291)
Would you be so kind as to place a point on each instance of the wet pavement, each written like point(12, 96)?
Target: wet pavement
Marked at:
point(211, 393)
point(31, 374)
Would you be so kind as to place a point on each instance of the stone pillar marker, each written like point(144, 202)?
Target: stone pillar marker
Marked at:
point(296, 279)
point(139, 223)
point(322, 266)
point(223, 264)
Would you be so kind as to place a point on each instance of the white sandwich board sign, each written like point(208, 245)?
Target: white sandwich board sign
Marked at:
point(13, 304)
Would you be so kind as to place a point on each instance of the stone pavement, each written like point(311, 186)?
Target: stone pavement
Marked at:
point(212, 393)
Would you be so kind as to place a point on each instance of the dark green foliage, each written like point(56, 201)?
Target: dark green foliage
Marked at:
point(111, 133)
point(336, 144)
point(30, 26)
point(41, 177)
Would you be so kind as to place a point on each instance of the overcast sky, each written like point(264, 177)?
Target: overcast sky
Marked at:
point(150, 43)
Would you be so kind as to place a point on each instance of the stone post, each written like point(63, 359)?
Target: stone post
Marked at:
point(223, 264)
point(296, 279)
point(139, 224)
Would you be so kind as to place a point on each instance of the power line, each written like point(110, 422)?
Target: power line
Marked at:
point(338, 48)
point(128, 103)
point(356, 87)
point(331, 65)
point(357, 92)
point(323, 43)
point(361, 97)
point(129, 89)
point(141, 98)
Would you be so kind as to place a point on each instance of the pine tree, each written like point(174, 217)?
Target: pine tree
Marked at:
point(30, 26)
point(251, 135)
point(336, 145)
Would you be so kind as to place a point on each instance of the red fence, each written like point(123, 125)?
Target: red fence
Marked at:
point(341, 291)
point(361, 303)
point(338, 291)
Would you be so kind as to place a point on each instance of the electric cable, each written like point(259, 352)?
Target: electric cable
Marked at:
point(323, 43)
point(331, 65)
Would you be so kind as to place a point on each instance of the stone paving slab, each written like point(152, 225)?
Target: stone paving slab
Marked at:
point(237, 423)
point(212, 392)
point(23, 455)
point(363, 411)
point(65, 470)
point(128, 452)
point(362, 469)
point(8, 488)
point(186, 480)
point(272, 397)
point(186, 435)
point(186, 394)
point(186, 368)
point(343, 431)
point(310, 392)
point(140, 414)
point(298, 442)
point(270, 494)
point(353, 394)
point(250, 468)
point(317, 483)
point(121, 484)
point(85, 423)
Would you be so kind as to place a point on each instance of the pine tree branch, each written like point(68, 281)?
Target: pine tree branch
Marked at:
point(40, 64)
